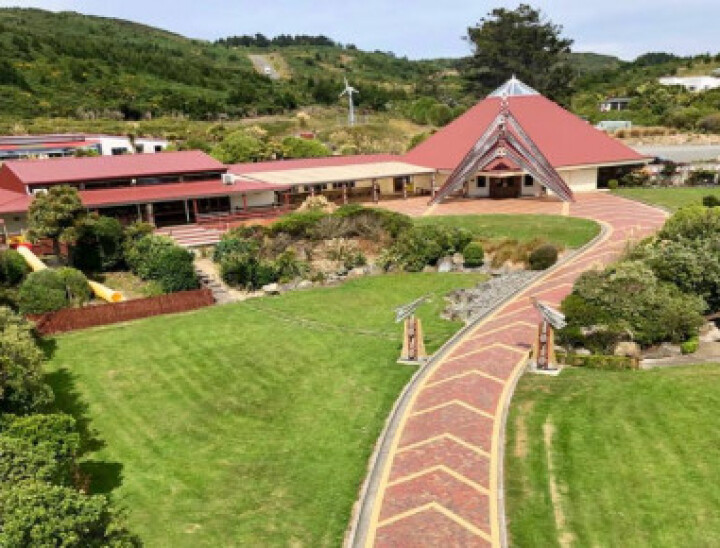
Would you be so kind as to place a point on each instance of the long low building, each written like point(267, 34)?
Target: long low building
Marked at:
point(515, 143)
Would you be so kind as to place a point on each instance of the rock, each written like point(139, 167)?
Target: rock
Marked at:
point(709, 333)
point(271, 289)
point(665, 350)
point(627, 348)
point(429, 268)
point(445, 264)
point(582, 352)
point(458, 259)
point(304, 284)
point(357, 272)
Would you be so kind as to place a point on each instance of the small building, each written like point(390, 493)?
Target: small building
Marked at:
point(615, 103)
point(17, 147)
point(695, 84)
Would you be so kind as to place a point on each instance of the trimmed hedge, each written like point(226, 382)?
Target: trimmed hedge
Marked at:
point(159, 258)
point(595, 361)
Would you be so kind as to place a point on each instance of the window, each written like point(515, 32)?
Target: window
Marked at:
point(529, 181)
point(158, 148)
point(481, 181)
point(117, 151)
point(139, 149)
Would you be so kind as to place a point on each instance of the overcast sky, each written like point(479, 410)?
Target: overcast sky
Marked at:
point(423, 28)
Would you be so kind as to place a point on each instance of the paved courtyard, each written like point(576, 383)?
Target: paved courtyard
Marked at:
point(438, 478)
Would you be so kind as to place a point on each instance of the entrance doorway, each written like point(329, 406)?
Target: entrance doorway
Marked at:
point(505, 187)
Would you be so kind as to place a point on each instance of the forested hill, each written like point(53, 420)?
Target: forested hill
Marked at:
point(68, 64)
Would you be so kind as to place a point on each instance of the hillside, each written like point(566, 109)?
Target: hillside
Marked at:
point(72, 65)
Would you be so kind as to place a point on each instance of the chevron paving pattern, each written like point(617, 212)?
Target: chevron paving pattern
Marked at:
point(441, 480)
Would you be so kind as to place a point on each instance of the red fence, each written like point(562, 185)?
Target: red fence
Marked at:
point(69, 319)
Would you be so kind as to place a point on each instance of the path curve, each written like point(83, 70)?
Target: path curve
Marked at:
point(437, 476)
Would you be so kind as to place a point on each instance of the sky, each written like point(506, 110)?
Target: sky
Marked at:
point(423, 28)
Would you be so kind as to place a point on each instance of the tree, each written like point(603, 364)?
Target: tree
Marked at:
point(39, 514)
point(296, 147)
point(520, 42)
point(53, 215)
point(22, 389)
point(239, 147)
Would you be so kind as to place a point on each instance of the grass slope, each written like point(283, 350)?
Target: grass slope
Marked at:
point(563, 231)
point(670, 198)
point(635, 459)
point(247, 424)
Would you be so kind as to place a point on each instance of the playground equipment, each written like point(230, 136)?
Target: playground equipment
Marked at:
point(99, 290)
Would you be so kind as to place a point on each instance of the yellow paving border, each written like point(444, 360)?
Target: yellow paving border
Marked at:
point(450, 403)
point(445, 512)
point(504, 400)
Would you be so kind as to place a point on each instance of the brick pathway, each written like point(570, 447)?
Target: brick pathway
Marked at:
point(439, 482)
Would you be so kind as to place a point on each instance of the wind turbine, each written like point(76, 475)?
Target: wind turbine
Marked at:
point(349, 90)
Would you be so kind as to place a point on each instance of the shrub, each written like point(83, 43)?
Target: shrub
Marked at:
point(711, 201)
point(159, 258)
point(76, 285)
point(543, 257)
point(175, 271)
point(691, 346)
point(710, 123)
point(42, 291)
point(425, 245)
point(627, 301)
point(232, 243)
point(13, 268)
point(692, 265)
point(298, 225)
point(635, 178)
point(38, 514)
point(99, 244)
point(474, 255)
point(692, 222)
point(22, 389)
point(595, 361)
point(613, 184)
point(287, 267)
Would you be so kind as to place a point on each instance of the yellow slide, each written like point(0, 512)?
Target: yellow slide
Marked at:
point(100, 291)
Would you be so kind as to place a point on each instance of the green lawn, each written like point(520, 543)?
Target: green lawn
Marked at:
point(561, 231)
point(670, 198)
point(634, 455)
point(248, 424)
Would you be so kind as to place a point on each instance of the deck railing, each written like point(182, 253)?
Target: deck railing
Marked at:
point(224, 217)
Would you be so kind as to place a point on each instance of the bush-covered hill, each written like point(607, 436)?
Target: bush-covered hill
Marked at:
point(73, 65)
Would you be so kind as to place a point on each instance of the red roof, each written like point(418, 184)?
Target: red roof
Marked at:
point(12, 202)
point(303, 163)
point(63, 170)
point(562, 137)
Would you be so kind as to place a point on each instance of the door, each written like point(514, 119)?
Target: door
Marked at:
point(505, 187)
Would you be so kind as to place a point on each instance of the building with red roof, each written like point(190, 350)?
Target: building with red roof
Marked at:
point(547, 150)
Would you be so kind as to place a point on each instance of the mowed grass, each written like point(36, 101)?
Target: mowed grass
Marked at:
point(670, 198)
point(561, 231)
point(248, 424)
point(635, 459)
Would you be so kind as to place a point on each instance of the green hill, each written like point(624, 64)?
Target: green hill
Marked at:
point(74, 65)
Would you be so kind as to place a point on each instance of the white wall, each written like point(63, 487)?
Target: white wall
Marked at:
point(148, 145)
point(14, 223)
point(476, 192)
point(254, 199)
point(581, 180)
point(533, 190)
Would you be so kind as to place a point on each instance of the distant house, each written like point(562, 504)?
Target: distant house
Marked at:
point(19, 147)
point(615, 103)
point(692, 83)
point(614, 125)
